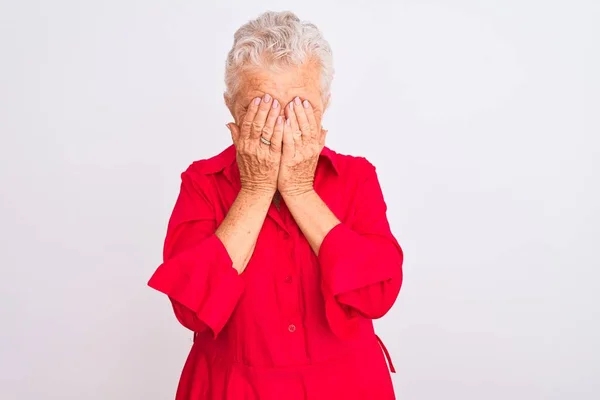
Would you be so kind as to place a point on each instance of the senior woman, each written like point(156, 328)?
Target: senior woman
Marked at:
point(278, 253)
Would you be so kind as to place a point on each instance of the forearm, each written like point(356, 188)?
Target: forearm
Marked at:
point(313, 217)
point(240, 228)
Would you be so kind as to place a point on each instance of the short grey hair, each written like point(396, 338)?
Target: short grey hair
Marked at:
point(277, 39)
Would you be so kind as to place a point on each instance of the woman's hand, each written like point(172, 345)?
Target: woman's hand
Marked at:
point(258, 161)
point(303, 141)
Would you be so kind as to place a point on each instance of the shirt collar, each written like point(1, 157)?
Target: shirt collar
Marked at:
point(331, 157)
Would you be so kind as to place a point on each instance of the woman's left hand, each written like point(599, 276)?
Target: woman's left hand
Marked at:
point(303, 141)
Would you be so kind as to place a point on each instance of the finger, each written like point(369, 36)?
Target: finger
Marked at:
point(289, 148)
point(303, 124)
point(267, 131)
point(323, 136)
point(261, 116)
point(293, 120)
point(312, 120)
point(277, 137)
point(249, 117)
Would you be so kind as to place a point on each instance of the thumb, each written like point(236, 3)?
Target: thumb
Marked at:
point(323, 135)
point(233, 129)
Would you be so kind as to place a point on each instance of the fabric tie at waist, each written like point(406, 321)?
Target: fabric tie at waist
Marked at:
point(387, 354)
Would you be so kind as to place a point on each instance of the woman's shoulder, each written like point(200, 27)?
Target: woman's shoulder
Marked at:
point(347, 165)
point(212, 165)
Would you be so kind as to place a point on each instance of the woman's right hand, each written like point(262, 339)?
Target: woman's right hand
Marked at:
point(259, 162)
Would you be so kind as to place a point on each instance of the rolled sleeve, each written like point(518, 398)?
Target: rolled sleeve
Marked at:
point(349, 261)
point(197, 272)
point(203, 280)
point(361, 261)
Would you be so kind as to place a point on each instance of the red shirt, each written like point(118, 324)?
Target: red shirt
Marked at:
point(293, 325)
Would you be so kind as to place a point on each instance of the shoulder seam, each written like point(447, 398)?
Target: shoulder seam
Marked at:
point(212, 165)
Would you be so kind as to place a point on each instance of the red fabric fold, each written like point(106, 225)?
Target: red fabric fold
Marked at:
point(202, 280)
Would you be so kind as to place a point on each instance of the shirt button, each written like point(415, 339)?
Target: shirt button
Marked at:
point(292, 328)
point(288, 279)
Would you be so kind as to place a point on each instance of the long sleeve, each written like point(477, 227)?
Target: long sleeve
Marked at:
point(197, 272)
point(361, 263)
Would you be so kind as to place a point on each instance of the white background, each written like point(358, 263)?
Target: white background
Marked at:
point(481, 116)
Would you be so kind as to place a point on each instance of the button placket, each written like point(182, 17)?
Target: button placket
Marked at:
point(290, 279)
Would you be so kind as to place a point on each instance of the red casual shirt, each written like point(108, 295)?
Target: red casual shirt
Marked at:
point(293, 325)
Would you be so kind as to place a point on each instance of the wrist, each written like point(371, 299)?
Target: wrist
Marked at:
point(297, 195)
point(257, 195)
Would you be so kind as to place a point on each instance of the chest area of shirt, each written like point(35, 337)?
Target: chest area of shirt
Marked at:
point(281, 245)
point(282, 252)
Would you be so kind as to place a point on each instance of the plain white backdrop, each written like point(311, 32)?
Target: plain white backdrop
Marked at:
point(481, 116)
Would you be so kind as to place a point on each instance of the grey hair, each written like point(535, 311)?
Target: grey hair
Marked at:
point(277, 39)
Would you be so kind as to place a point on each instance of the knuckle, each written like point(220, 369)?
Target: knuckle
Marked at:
point(246, 124)
point(257, 125)
point(243, 147)
point(305, 127)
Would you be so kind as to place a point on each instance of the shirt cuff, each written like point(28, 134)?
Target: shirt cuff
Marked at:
point(202, 279)
point(349, 261)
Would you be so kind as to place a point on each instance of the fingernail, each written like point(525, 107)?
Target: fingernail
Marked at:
point(267, 98)
point(279, 120)
point(306, 104)
point(275, 103)
point(287, 122)
point(227, 125)
point(291, 106)
point(297, 101)
point(257, 101)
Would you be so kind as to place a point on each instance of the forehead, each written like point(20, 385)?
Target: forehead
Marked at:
point(282, 83)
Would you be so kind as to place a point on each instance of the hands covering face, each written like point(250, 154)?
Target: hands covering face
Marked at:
point(276, 152)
